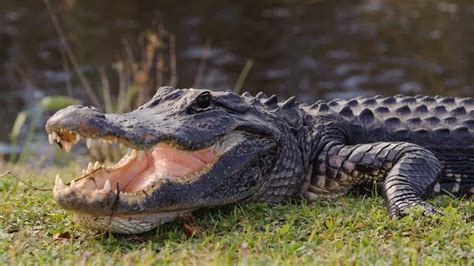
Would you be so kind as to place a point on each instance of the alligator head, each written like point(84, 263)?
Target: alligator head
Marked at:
point(190, 148)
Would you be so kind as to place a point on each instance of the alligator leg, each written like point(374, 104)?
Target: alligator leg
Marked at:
point(408, 172)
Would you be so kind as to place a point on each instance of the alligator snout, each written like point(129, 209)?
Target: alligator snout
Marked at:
point(86, 120)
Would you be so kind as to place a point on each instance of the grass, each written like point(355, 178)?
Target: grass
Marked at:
point(348, 230)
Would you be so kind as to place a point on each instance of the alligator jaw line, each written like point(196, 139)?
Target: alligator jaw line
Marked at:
point(104, 179)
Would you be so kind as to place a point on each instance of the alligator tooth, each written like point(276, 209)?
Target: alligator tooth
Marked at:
point(90, 167)
point(78, 138)
point(84, 172)
point(110, 141)
point(51, 138)
point(73, 185)
point(67, 146)
point(58, 183)
point(89, 143)
point(97, 165)
point(107, 186)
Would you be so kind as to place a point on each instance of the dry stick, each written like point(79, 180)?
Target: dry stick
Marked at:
point(243, 75)
point(120, 68)
point(9, 192)
point(130, 70)
point(114, 209)
point(70, 54)
point(24, 77)
point(143, 82)
point(129, 53)
point(159, 68)
point(173, 73)
point(159, 60)
point(24, 182)
point(67, 70)
point(202, 64)
point(106, 87)
point(449, 193)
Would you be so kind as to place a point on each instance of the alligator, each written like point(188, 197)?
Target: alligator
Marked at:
point(194, 148)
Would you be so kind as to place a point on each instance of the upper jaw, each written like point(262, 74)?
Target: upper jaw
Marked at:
point(140, 129)
point(67, 126)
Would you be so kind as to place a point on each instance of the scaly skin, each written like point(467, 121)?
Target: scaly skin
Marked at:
point(413, 147)
point(407, 144)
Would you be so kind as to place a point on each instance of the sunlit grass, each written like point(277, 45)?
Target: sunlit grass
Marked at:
point(348, 230)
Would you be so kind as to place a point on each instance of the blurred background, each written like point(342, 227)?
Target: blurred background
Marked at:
point(113, 54)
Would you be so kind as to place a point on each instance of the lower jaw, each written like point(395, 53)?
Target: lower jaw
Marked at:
point(126, 224)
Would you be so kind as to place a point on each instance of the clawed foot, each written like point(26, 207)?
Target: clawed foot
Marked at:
point(405, 208)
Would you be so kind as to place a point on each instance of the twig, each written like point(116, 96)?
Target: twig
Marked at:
point(114, 209)
point(9, 192)
point(142, 76)
point(67, 70)
point(129, 54)
point(243, 75)
point(70, 54)
point(24, 182)
point(159, 68)
point(159, 60)
point(120, 68)
point(202, 64)
point(173, 73)
point(23, 75)
point(449, 193)
point(106, 88)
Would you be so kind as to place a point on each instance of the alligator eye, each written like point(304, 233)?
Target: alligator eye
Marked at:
point(204, 100)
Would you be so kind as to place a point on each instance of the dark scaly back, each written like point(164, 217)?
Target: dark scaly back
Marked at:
point(423, 120)
point(444, 125)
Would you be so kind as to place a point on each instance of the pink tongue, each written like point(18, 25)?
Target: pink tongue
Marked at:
point(166, 161)
point(178, 163)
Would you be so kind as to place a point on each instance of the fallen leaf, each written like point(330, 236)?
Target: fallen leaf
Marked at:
point(187, 218)
point(11, 229)
point(62, 236)
point(388, 235)
point(190, 230)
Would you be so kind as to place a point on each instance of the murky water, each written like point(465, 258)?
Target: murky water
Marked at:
point(312, 49)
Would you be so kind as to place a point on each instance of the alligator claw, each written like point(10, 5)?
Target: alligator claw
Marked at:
point(407, 208)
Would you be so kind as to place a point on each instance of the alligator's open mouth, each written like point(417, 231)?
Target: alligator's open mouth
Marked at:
point(94, 194)
point(139, 170)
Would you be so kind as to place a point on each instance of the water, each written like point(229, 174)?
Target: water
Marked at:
point(311, 49)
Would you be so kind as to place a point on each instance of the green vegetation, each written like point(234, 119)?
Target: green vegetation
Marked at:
point(46, 104)
point(348, 230)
